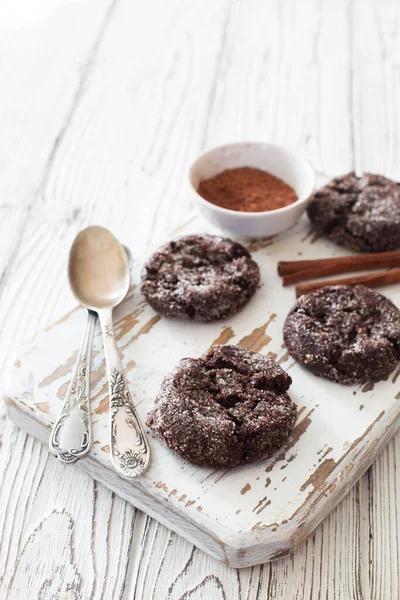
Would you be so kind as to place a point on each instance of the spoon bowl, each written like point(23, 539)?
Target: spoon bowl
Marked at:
point(98, 269)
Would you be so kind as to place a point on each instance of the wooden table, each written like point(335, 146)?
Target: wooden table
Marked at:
point(103, 105)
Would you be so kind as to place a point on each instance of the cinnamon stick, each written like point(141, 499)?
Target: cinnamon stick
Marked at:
point(299, 270)
point(373, 280)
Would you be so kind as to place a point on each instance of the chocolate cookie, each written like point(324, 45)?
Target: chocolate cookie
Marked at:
point(361, 213)
point(202, 277)
point(228, 408)
point(347, 334)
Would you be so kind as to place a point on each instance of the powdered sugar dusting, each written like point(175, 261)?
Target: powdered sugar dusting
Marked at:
point(362, 213)
point(347, 334)
point(229, 408)
point(203, 277)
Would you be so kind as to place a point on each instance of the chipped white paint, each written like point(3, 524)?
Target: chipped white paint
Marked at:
point(250, 514)
point(101, 130)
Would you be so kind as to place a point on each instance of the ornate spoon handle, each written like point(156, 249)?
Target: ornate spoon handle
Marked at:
point(129, 448)
point(71, 437)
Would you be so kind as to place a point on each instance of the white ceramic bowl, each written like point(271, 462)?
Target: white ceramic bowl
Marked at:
point(292, 169)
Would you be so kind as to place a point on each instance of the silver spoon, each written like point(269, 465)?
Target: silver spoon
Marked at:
point(71, 437)
point(100, 278)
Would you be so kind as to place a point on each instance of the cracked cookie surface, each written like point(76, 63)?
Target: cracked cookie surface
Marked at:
point(361, 213)
point(343, 333)
point(200, 277)
point(228, 408)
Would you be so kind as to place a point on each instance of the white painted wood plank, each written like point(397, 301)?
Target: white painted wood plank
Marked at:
point(41, 78)
point(326, 142)
point(232, 515)
point(376, 46)
point(139, 121)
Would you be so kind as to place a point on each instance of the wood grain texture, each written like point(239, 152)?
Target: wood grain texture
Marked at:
point(243, 516)
point(109, 143)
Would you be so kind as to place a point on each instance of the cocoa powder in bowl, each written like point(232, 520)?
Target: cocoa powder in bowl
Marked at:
point(246, 189)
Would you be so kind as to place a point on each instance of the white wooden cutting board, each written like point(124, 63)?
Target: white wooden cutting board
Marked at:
point(243, 516)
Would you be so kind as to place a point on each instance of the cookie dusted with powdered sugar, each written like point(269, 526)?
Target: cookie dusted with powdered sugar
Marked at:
point(229, 408)
point(361, 213)
point(200, 277)
point(343, 333)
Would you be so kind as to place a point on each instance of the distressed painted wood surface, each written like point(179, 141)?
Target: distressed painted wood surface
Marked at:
point(104, 106)
point(243, 516)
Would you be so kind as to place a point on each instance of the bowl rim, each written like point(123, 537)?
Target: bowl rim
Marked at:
point(248, 214)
